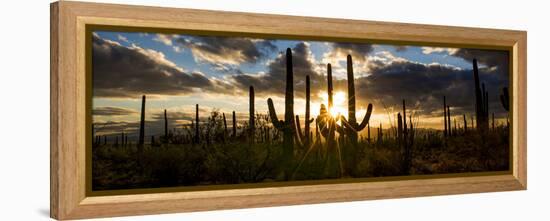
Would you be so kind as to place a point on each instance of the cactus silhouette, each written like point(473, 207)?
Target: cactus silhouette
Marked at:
point(287, 126)
point(446, 132)
point(465, 123)
point(306, 135)
point(482, 103)
point(251, 121)
point(224, 125)
point(197, 134)
point(308, 119)
point(351, 125)
point(142, 125)
point(165, 139)
point(324, 121)
point(234, 126)
point(449, 120)
point(405, 141)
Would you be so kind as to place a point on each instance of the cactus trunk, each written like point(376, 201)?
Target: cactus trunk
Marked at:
point(449, 120)
point(197, 135)
point(307, 119)
point(224, 125)
point(251, 121)
point(482, 103)
point(287, 126)
point(465, 123)
point(142, 125)
point(446, 133)
point(234, 125)
point(165, 127)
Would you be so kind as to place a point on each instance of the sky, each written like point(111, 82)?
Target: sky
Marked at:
point(177, 71)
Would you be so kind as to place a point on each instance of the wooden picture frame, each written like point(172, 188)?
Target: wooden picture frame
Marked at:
point(69, 85)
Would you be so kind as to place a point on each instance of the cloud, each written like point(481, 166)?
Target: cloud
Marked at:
point(122, 38)
point(423, 87)
point(227, 50)
point(164, 39)
point(273, 82)
point(337, 57)
point(489, 58)
point(112, 111)
point(120, 71)
point(430, 50)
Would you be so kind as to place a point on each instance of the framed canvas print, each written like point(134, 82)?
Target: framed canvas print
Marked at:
point(160, 110)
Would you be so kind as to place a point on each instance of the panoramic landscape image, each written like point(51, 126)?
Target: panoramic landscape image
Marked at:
point(176, 110)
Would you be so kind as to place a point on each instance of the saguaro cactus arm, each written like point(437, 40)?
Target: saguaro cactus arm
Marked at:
point(273, 115)
point(299, 127)
point(363, 124)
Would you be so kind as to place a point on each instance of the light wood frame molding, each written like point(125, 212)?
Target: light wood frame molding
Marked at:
point(68, 109)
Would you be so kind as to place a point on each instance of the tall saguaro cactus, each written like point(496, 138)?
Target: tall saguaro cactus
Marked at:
point(251, 121)
point(352, 127)
point(446, 133)
point(308, 121)
point(142, 125)
point(165, 127)
point(482, 103)
point(224, 125)
point(325, 122)
point(287, 126)
point(197, 130)
point(449, 120)
point(465, 123)
point(234, 125)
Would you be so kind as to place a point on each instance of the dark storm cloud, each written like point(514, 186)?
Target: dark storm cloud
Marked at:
point(112, 111)
point(228, 50)
point(274, 81)
point(494, 59)
point(120, 71)
point(490, 58)
point(423, 86)
point(356, 50)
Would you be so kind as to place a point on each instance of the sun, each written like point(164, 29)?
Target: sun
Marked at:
point(338, 103)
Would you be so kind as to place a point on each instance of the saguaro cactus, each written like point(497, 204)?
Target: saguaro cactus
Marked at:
point(465, 123)
point(306, 136)
point(287, 126)
point(482, 104)
point(165, 139)
point(449, 120)
point(351, 125)
point(251, 121)
point(446, 133)
point(197, 130)
point(325, 122)
point(142, 125)
point(224, 125)
point(308, 119)
point(234, 125)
